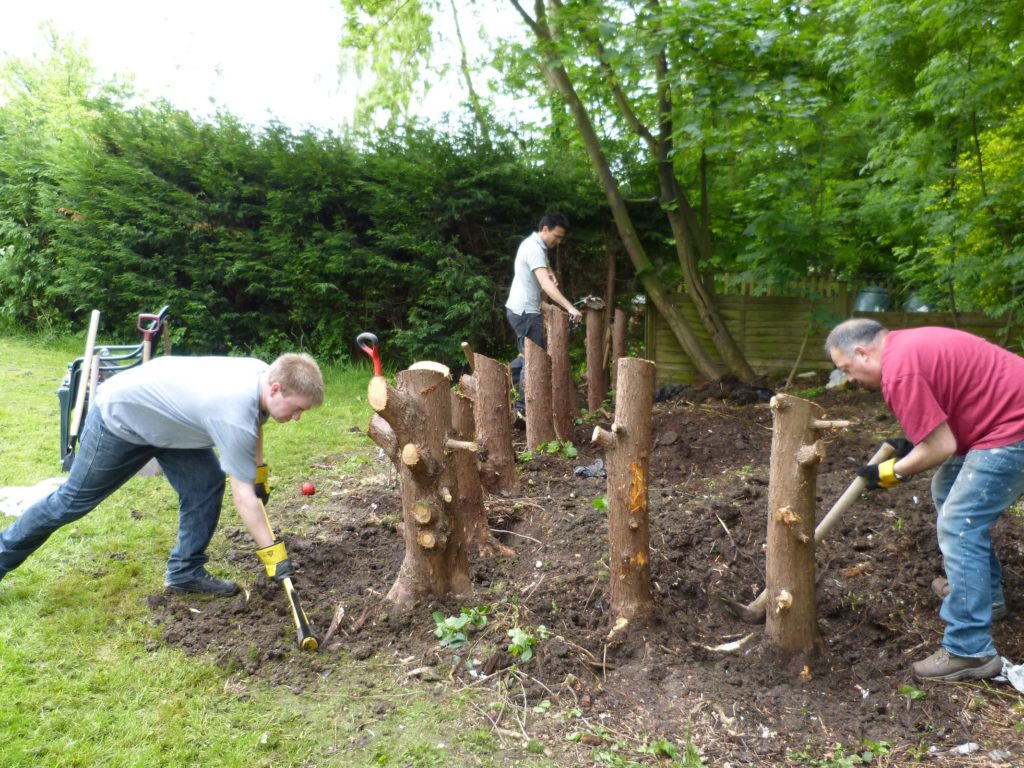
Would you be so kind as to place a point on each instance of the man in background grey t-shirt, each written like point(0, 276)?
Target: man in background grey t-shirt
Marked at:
point(177, 410)
point(532, 276)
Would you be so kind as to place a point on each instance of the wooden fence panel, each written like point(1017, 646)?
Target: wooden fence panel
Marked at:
point(771, 330)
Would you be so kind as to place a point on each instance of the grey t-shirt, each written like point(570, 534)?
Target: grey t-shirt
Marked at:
point(524, 296)
point(190, 402)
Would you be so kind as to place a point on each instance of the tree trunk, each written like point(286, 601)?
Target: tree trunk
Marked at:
point(489, 388)
point(418, 412)
point(597, 380)
point(470, 494)
point(619, 328)
point(564, 404)
point(792, 621)
point(561, 83)
point(627, 450)
point(537, 374)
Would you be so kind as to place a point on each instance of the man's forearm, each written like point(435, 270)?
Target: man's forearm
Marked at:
point(930, 452)
point(251, 511)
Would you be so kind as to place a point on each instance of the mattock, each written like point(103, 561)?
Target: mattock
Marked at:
point(754, 613)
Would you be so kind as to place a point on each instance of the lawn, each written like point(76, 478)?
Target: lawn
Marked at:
point(86, 681)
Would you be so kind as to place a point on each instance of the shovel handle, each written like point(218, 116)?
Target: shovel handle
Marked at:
point(849, 495)
point(369, 344)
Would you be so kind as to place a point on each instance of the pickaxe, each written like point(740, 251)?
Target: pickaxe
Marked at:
point(368, 343)
point(755, 612)
point(306, 639)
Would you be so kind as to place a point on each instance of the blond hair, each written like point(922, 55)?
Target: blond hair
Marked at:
point(298, 374)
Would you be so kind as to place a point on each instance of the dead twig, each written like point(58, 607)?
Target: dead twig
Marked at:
point(520, 535)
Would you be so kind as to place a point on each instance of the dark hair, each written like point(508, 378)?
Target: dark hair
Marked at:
point(552, 220)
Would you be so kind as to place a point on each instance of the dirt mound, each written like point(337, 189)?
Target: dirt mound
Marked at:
point(708, 500)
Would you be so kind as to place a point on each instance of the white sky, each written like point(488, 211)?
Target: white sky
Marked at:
point(252, 58)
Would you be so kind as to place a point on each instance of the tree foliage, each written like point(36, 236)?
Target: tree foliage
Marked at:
point(265, 240)
point(857, 139)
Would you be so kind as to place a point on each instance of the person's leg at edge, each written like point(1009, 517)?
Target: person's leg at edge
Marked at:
point(103, 464)
point(197, 478)
point(971, 493)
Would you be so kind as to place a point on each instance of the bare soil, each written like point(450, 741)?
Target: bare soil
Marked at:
point(708, 501)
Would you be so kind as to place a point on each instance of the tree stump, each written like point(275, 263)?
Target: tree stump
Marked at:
point(489, 388)
point(470, 494)
point(417, 414)
point(564, 405)
point(792, 619)
point(597, 377)
point(540, 427)
point(627, 450)
point(619, 327)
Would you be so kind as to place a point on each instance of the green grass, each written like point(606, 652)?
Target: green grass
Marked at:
point(78, 686)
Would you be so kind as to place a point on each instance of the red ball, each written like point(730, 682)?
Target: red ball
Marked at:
point(308, 488)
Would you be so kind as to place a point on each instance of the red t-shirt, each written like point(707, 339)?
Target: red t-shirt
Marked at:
point(931, 375)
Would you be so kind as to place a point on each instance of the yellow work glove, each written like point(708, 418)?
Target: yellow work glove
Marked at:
point(262, 484)
point(275, 561)
point(882, 475)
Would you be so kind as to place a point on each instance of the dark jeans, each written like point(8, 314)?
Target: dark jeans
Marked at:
point(527, 326)
point(104, 463)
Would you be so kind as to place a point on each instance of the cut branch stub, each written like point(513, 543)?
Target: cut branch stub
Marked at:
point(419, 462)
point(383, 435)
point(835, 424)
point(602, 438)
point(808, 455)
point(467, 350)
point(421, 512)
point(461, 445)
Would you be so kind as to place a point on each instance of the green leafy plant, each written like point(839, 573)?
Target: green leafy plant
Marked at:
point(912, 693)
point(559, 446)
point(524, 456)
point(600, 503)
point(521, 644)
point(453, 631)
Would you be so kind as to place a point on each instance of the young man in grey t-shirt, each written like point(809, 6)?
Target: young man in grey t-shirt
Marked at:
point(533, 275)
point(177, 410)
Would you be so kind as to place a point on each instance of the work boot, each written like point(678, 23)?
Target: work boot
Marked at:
point(941, 588)
point(205, 583)
point(943, 665)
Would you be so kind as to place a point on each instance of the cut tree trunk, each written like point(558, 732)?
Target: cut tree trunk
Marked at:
point(470, 494)
point(418, 413)
point(597, 377)
point(792, 621)
point(618, 344)
point(489, 387)
point(627, 450)
point(564, 405)
point(540, 428)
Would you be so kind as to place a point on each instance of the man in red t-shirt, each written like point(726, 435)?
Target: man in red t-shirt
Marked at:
point(960, 401)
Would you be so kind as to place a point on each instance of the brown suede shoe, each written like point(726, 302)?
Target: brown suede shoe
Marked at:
point(943, 665)
point(941, 588)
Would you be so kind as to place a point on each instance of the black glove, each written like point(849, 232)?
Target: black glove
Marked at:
point(262, 484)
point(881, 475)
point(275, 561)
point(900, 446)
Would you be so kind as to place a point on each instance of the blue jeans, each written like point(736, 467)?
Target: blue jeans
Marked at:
point(970, 494)
point(104, 463)
point(528, 326)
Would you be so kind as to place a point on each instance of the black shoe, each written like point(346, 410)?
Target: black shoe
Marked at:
point(205, 583)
